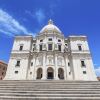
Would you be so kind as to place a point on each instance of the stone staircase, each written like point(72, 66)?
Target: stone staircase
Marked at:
point(49, 90)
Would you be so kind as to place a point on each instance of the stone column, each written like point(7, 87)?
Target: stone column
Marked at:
point(44, 67)
point(34, 72)
point(56, 69)
point(65, 74)
point(34, 67)
point(66, 68)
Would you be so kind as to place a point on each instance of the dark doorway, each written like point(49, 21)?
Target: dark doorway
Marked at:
point(49, 73)
point(39, 73)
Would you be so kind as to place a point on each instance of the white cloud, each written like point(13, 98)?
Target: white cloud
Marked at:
point(52, 9)
point(29, 13)
point(97, 71)
point(10, 26)
point(40, 15)
point(55, 4)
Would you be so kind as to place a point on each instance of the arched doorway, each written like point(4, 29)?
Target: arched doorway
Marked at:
point(50, 73)
point(61, 73)
point(39, 73)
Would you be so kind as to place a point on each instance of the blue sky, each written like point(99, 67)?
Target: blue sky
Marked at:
point(73, 17)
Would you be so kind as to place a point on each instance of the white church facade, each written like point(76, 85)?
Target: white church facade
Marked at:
point(50, 56)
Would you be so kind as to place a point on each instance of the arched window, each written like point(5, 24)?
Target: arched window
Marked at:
point(61, 73)
point(39, 73)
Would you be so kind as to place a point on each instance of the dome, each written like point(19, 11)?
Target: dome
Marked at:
point(50, 27)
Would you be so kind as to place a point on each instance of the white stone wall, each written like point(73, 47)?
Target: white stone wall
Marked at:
point(25, 42)
point(22, 70)
point(79, 40)
point(77, 56)
point(22, 56)
point(54, 58)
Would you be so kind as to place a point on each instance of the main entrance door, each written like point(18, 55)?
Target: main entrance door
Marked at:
point(50, 73)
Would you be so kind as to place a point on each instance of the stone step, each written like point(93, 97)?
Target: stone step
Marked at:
point(47, 98)
point(35, 88)
point(14, 90)
point(30, 86)
point(50, 81)
point(53, 85)
point(18, 89)
point(50, 84)
point(49, 87)
point(49, 95)
point(39, 80)
point(51, 92)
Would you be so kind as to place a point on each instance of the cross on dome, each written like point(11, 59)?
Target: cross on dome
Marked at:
point(50, 21)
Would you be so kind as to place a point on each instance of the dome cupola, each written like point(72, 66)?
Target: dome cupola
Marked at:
point(50, 28)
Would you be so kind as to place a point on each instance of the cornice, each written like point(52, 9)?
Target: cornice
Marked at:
point(17, 55)
point(47, 35)
point(23, 51)
point(77, 51)
point(28, 37)
point(86, 55)
point(74, 38)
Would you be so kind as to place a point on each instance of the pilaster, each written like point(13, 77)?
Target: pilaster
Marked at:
point(44, 67)
point(56, 69)
point(34, 65)
point(66, 68)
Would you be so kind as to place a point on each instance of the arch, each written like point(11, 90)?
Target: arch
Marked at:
point(60, 73)
point(39, 73)
point(50, 73)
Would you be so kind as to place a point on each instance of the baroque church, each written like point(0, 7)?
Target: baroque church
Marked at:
point(50, 56)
